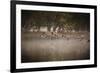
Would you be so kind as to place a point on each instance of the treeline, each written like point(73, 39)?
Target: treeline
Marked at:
point(63, 21)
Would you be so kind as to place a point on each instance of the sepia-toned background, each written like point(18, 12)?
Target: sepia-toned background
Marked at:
point(54, 36)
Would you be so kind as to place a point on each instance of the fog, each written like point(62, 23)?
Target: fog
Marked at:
point(39, 49)
point(54, 36)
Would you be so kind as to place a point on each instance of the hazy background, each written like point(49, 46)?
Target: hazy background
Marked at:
point(54, 36)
